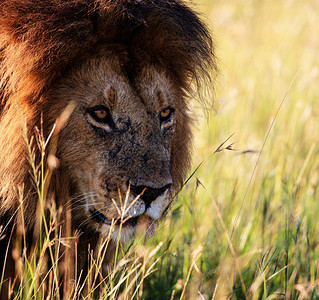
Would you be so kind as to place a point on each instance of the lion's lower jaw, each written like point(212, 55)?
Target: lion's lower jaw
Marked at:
point(124, 235)
point(144, 226)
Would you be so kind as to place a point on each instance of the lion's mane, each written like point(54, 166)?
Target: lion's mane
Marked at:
point(41, 40)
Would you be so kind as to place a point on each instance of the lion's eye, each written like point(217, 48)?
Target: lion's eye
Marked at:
point(100, 114)
point(166, 114)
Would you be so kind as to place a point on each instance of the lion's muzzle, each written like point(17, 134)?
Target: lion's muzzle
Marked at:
point(155, 199)
point(146, 207)
point(148, 194)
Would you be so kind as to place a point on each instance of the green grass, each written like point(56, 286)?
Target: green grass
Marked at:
point(246, 224)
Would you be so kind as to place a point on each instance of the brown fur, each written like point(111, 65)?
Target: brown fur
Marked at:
point(139, 56)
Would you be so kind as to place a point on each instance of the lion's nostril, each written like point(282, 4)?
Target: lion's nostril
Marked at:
point(149, 194)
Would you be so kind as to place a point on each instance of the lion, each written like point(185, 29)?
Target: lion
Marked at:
point(128, 69)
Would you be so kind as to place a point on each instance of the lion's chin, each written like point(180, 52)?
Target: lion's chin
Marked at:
point(145, 225)
point(142, 225)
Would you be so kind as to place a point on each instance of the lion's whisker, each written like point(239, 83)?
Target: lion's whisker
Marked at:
point(79, 198)
point(84, 194)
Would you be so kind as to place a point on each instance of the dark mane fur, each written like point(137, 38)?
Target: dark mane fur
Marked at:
point(40, 40)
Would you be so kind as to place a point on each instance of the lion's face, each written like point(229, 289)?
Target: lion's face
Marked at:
point(116, 146)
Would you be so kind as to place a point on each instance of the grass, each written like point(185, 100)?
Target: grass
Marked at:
point(246, 224)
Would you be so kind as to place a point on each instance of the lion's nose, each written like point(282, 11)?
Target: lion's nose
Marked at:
point(149, 194)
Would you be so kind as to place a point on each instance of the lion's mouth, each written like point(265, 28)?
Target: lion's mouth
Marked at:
point(144, 223)
point(140, 219)
point(102, 219)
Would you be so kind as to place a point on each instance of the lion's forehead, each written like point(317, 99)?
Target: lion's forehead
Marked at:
point(150, 89)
